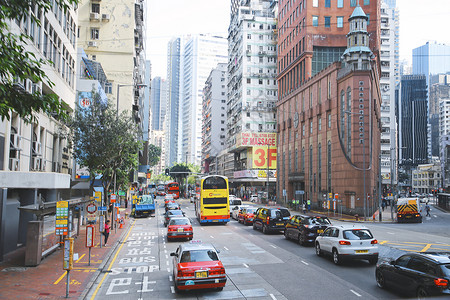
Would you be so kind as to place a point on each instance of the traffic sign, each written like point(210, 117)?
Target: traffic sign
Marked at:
point(91, 208)
point(102, 208)
point(113, 198)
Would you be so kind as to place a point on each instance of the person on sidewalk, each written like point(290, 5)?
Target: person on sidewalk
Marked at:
point(107, 230)
point(304, 207)
point(428, 208)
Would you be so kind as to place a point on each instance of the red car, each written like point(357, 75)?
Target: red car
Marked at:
point(197, 266)
point(179, 228)
point(246, 215)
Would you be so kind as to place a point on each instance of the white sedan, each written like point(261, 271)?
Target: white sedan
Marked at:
point(348, 242)
point(235, 210)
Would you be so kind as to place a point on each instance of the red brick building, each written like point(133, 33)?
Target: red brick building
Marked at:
point(329, 103)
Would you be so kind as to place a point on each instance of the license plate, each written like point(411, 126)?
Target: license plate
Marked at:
point(201, 274)
point(319, 231)
point(180, 229)
point(361, 251)
point(280, 224)
point(408, 217)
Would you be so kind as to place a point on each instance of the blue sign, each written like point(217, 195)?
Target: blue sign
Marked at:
point(101, 208)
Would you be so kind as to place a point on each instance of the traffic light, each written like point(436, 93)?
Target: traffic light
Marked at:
point(167, 172)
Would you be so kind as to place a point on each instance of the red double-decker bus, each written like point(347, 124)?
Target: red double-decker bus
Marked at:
point(174, 189)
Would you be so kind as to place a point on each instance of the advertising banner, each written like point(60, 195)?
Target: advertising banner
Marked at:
point(262, 155)
point(249, 139)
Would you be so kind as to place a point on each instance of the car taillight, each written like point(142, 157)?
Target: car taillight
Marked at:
point(306, 226)
point(267, 220)
point(417, 215)
point(185, 273)
point(439, 282)
point(344, 243)
point(374, 242)
point(217, 271)
point(170, 229)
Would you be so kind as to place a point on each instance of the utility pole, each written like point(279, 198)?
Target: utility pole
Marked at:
point(267, 186)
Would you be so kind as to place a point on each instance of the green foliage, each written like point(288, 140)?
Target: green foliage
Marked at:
point(105, 143)
point(160, 178)
point(179, 172)
point(17, 62)
point(154, 154)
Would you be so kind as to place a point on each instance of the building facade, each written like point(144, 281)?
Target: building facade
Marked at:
point(158, 103)
point(35, 161)
point(214, 117)
point(329, 124)
point(199, 55)
point(252, 94)
point(426, 178)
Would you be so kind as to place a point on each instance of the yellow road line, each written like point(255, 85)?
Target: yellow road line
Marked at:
point(60, 278)
point(426, 248)
point(383, 242)
point(410, 250)
point(80, 257)
point(112, 262)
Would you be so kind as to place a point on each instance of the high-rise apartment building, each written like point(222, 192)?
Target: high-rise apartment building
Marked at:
point(199, 55)
point(173, 100)
point(252, 94)
point(158, 103)
point(214, 117)
point(35, 159)
point(328, 111)
point(413, 125)
point(389, 63)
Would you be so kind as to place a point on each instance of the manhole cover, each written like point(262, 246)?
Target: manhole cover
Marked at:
point(14, 269)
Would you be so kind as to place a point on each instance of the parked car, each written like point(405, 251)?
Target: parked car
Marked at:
point(416, 274)
point(305, 229)
point(235, 211)
point(246, 215)
point(171, 214)
point(348, 242)
point(197, 266)
point(253, 198)
point(271, 219)
point(179, 228)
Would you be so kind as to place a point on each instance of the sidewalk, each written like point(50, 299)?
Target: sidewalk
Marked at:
point(48, 280)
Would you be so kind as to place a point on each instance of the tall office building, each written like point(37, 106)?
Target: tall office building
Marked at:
point(389, 63)
point(252, 93)
point(158, 103)
point(35, 159)
point(173, 97)
point(214, 118)
point(199, 55)
point(413, 107)
point(329, 103)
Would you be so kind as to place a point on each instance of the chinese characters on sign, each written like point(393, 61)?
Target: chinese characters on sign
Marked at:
point(62, 218)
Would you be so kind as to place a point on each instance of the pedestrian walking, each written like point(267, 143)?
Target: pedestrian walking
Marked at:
point(428, 208)
point(107, 230)
point(308, 203)
point(304, 207)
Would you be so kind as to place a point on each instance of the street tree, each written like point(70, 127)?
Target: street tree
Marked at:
point(105, 143)
point(154, 154)
point(16, 62)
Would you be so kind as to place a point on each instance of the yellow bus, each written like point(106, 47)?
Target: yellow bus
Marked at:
point(212, 205)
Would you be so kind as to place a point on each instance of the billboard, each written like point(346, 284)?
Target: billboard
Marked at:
point(263, 155)
point(250, 139)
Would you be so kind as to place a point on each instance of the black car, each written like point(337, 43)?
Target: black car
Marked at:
point(305, 229)
point(172, 213)
point(420, 274)
point(271, 219)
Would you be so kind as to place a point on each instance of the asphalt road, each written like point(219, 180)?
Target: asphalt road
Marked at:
point(258, 266)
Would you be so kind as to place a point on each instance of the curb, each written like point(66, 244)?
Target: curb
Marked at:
point(106, 259)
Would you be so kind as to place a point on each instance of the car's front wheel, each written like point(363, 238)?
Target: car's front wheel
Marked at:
point(254, 226)
point(373, 260)
point(336, 257)
point(380, 279)
point(286, 234)
point(318, 250)
point(220, 288)
point(301, 240)
point(264, 229)
point(422, 293)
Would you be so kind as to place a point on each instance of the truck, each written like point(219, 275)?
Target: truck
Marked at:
point(144, 206)
point(408, 210)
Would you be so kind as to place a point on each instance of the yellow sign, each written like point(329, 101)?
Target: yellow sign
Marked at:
point(257, 139)
point(261, 155)
point(98, 196)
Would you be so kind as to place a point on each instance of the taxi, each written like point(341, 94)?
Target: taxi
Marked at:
point(179, 228)
point(246, 215)
point(197, 266)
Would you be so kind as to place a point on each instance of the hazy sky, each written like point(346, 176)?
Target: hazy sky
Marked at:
point(420, 21)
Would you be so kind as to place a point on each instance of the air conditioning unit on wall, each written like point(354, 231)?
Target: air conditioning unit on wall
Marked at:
point(15, 141)
point(106, 17)
point(94, 16)
point(14, 164)
point(92, 44)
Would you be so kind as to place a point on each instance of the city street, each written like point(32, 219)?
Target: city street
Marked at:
point(258, 266)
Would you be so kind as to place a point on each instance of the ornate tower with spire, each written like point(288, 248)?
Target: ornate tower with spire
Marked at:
point(358, 53)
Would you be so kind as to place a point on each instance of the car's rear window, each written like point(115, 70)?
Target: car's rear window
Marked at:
point(175, 212)
point(276, 213)
point(235, 202)
point(357, 234)
point(198, 255)
point(446, 269)
point(250, 210)
point(318, 221)
point(180, 222)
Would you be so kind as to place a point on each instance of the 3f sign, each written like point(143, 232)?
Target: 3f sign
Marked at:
point(260, 157)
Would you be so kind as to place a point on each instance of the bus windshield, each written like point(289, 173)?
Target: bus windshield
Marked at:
point(214, 182)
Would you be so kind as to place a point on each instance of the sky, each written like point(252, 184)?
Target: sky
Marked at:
point(420, 21)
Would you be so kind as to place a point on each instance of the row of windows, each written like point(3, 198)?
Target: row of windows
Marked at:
point(339, 3)
point(327, 21)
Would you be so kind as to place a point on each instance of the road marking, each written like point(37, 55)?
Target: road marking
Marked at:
point(305, 262)
point(435, 216)
point(225, 248)
point(273, 297)
point(60, 278)
point(355, 293)
point(245, 265)
point(383, 242)
point(425, 248)
point(112, 262)
point(168, 270)
point(211, 236)
point(170, 278)
point(390, 232)
point(167, 256)
point(272, 246)
point(172, 289)
point(202, 228)
point(167, 262)
point(80, 258)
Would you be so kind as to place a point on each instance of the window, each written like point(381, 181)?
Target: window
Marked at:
point(315, 20)
point(94, 33)
point(340, 22)
point(329, 166)
point(95, 8)
point(249, 36)
point(366, 2)
point(340, 3)
point(368, 19)
point(327, 22)
point(315, 3)
point(329, 120)
point(320, 123)
point(328, 3)
point(352, 3)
